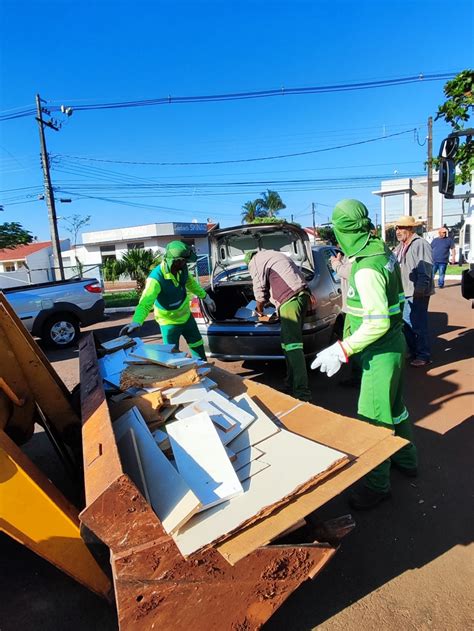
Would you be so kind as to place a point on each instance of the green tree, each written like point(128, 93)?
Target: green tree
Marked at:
point(271, 203)
point(136, 263)
point(268, 220)
point(250, 211)
point(326, 233)
point(13, 234)
point(457, 110)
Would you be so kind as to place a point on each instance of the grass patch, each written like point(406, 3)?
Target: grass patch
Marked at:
point(121, 298)
point(455, 269)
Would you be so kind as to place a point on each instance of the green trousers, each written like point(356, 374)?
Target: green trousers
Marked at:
point(292, 313)
point(172, 333)
point(381, 403)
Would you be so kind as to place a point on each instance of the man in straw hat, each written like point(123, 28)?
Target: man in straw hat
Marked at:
point(416, 263)
point(374, 309)
point(166, 291)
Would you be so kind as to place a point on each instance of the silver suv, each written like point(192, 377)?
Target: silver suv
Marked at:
point(228, 338)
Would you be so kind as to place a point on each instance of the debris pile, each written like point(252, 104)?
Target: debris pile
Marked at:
point(207, 464)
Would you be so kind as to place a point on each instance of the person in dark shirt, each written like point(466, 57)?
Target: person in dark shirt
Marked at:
point(441, 246)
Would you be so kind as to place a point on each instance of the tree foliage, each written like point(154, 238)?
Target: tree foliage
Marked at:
point(136, 263)
point(326, 233)
point(457, 110)
point(268, 205)
point(13, 234)
point(250, 211)
point(74, 223)
point(271, 203)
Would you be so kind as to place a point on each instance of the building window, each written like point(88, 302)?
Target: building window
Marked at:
point(9, 267)
point(136, 245)
point(394, 207)
point(107, 252)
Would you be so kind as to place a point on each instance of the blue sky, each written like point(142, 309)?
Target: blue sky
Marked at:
point(90, 52)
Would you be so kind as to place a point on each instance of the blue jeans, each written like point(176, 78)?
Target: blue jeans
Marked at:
point(441, 268)
point(415, 318)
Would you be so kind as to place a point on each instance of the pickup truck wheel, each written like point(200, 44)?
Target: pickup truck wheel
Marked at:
point(61, 331)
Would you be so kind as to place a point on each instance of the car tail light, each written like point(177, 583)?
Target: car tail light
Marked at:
point(312, 305)
point(196, 308)
point(93, 288)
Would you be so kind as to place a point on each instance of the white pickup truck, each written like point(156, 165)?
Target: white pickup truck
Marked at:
point(55, 311)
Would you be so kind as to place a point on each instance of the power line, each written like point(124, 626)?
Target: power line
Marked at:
point(235, 96)
point(275, 157)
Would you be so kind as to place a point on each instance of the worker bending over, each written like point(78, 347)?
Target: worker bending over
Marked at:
point(276, 278)
point(374, 308)
point(167, 288)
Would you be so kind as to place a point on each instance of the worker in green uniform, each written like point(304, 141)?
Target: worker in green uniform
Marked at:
point(374, 309)
point(167, 288)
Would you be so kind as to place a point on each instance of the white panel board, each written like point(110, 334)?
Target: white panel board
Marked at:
point(259, 430)
point(242, 418)
point(112, 364)
point(245, 456)
point(202, 460)
point(170, 360)
point(170, 496)
point(217, 417)
point(131, 461)
point(188, 395)
point(293, 461)
point(251, 469)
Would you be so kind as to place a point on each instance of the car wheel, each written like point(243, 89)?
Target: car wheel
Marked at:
point(61, 331)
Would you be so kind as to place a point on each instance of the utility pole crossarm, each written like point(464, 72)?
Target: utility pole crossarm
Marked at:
point(48, 191)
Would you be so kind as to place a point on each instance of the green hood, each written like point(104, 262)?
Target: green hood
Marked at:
point(352, 227)
point(179, 250)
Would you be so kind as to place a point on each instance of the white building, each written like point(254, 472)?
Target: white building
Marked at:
point(26, 264)
point(408, 196)
point(100, 245)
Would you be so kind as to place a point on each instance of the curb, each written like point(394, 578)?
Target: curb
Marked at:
point(109, 310)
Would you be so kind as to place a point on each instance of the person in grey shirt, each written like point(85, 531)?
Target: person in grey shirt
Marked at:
point(416, 262)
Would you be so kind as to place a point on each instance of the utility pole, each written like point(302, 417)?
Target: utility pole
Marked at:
point(429, 179)
point(313, 212)
point(48, 190)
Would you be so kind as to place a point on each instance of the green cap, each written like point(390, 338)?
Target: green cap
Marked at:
point(179, 250)
point(248, 256)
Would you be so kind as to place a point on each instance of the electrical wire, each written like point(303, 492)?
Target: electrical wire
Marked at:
point(235, 96)
point(275, 157)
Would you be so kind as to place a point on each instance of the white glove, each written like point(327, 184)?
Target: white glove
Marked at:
point(128, 329)
point(330, 359)
point(210, 302)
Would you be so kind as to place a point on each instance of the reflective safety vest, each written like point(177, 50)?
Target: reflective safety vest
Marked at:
point(387, 265)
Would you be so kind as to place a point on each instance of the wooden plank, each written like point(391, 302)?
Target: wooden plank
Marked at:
point(154, 376)
point(295, 464)
point(149, 404)
point(234, 413)
point(131, 461)
point(124, 341)
point(202, 461)
point(170, 496)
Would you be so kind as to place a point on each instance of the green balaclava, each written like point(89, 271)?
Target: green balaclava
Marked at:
point(352, 227)
point(179, 250)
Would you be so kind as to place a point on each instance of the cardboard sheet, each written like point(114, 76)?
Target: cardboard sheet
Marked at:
point(202, 460)
point(264, 492)
point(170, 496)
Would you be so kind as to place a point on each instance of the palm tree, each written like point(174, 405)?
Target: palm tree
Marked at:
point(136, 263)
point(271, 203)
point(250, 211)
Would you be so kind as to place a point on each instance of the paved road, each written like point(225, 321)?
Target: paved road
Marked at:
point(408, 565)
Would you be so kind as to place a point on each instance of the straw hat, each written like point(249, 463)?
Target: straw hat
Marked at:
point(406, 221)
